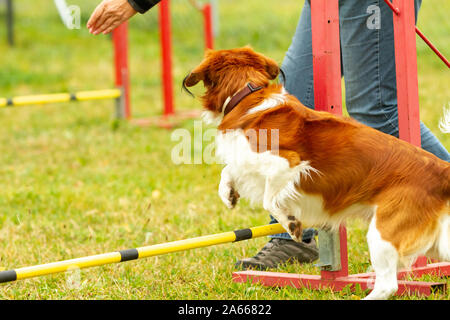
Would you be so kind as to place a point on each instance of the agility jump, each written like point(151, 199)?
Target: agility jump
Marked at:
point(333, 253)
point(120, 93)
point(60, 97)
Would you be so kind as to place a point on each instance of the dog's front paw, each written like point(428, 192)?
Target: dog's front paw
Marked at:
point(228, 195)
point(295, 228)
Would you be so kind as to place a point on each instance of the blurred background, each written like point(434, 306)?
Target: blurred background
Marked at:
point(48, 57)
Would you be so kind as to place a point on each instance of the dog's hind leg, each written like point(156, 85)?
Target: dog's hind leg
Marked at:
point(441, 248)
point(384, 258)
point(282, 178)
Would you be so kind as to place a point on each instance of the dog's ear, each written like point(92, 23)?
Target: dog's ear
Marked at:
point(194, 77)
point(272, 68)
point(198, 74)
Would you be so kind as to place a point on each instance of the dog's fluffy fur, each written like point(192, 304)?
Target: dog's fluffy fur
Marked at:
point(322, 169)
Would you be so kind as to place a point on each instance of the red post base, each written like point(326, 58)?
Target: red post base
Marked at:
point(364, 280)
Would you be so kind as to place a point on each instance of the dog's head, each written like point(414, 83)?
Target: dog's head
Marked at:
point(224, 72)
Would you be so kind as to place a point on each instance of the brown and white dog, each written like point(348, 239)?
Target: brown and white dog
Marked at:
point(320, 169)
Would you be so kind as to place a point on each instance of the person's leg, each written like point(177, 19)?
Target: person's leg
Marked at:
point(368, 59)
point(298, 62)
point(298, 69)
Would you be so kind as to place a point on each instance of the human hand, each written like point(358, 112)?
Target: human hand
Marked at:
point(108, 15)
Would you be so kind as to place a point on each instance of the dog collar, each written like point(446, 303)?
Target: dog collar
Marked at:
point(234, 101)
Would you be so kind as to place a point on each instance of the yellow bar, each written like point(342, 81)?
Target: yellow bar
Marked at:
point(267, 230)
point(62, 97)
point(41, 99)
point(187, 244)
point(99, 94)
point(206, 241)
point(3, 102)
point(62, 266)
point(148, 251)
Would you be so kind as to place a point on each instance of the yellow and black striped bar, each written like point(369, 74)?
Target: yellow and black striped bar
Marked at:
point(139, 253)
point(60, 97)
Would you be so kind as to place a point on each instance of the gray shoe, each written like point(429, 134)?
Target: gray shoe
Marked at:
point(279, 251)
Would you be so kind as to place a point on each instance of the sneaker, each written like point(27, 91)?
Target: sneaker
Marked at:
point(279, 251)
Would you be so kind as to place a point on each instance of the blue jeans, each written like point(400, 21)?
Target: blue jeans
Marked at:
point(368, 67)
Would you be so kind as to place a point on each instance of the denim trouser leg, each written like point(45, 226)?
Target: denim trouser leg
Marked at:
point(298, 68)
point(368, 61)
point(368, 66)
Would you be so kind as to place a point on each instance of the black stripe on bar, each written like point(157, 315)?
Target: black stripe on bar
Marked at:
point(73, 97)
point(9, 102)
point(8, 275)
point(243, 234)
point(128, 254)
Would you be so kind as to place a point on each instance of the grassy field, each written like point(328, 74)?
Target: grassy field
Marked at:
point(73, 184)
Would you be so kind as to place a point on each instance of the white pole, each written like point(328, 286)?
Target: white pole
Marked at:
point(70, 15)
point(215, 16)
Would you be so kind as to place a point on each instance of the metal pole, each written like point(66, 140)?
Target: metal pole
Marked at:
point(326, 56)
point(406, 72)
point(122, 75)
point(328, 97)
point(420, 34)
point(139, 253)
point(208, 26)
point(166, 55)
point(407, 80)
point(432, 47)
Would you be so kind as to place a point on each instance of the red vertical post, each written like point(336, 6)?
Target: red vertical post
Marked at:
point(327, 84)
point(166, 54)
point(406, 72)
point(208, 26)
point(326, 55)
point(122, 75)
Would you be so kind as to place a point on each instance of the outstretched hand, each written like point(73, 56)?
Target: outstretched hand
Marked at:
point(108, 15)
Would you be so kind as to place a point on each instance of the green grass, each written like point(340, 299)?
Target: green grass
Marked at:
point(72, 184)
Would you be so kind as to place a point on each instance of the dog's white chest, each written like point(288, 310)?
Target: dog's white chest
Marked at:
point(249, 169)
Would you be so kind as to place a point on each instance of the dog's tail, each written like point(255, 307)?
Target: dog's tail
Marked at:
point(442, 242)
point(444, 126)
point(444, 123)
